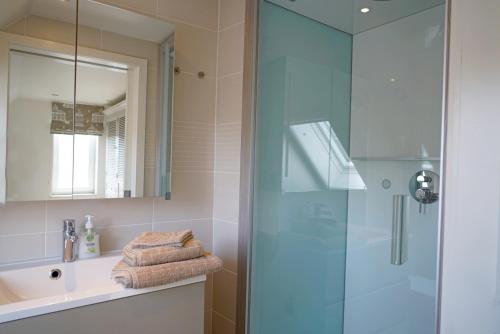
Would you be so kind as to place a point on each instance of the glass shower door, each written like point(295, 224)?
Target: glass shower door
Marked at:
point(300, 215)
point(346, 183)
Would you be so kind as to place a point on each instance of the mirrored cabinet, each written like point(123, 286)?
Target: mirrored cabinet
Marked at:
point(85, 101)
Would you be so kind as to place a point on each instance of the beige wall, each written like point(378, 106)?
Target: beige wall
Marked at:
point(227, 160)
point(30, 231)
point(206, 148)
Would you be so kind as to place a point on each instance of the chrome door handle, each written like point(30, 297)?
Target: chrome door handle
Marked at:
point(398, 243)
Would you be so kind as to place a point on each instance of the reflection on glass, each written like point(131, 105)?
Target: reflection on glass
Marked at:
point(40, 125)
point(115, 154)
point(129, 74)
point(326, 157)
point(84, 181)
point(101, 118)
point(62, 177)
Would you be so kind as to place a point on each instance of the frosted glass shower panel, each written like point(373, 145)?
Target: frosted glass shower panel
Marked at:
point(303, 171)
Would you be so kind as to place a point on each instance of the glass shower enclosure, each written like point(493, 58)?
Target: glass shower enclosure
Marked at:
point(347, 165)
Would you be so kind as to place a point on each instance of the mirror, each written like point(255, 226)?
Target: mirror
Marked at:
point(37, 39)
point(88, 109)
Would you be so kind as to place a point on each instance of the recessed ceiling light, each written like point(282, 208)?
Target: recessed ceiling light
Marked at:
point(365, 10)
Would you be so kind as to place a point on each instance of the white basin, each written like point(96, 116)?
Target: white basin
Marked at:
point(31, 291)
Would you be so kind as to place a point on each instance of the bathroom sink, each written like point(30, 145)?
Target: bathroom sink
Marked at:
point(50, 288)
point(57, 279)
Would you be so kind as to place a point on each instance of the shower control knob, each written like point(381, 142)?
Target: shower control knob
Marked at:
point(424, 188)
point(420, 194)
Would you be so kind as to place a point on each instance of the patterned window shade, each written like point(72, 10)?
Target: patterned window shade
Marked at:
point(89, 120)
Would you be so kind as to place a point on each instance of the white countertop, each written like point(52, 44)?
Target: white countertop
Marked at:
point(30, 292)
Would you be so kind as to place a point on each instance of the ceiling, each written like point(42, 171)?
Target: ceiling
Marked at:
point(345, 15)
point(91, 14)
point(48, 79)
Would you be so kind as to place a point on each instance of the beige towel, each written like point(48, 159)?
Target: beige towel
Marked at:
point(149, 276)
point(156, 255)
point(156, 239)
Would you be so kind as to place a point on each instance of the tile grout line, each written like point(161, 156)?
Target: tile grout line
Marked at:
point(223, 317)
point(45, 228)
point(231, 74)
point(217, 67)
point(14, 235)
point(216, 109)
point(153, 213)
point(156, 14)
point(229, 271)
point(231, 26)
point(226, 221)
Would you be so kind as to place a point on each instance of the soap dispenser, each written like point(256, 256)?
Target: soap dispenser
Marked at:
point(89, 240)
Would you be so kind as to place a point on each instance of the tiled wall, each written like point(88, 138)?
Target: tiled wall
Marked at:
point(227, 160)
point(206, 148)
point(31, 231)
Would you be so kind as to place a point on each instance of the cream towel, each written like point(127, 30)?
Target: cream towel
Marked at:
point(156, 239)
point(157, 255)
point(149, 276)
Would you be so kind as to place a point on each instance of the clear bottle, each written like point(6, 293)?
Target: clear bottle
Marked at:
point(89, 240)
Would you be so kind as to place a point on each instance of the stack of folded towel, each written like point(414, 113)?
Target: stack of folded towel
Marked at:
point(157, 258)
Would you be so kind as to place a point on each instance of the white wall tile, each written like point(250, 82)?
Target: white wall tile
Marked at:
point(222, 325)
point(208, 322)
point(231, 42)
point(192, 195)
point(108, 212)
point(54, 244)
point(140, 6)
point(197, 12)
point(194, 99)
point(23, 247)
point(226, 196)
point(22, 217)
point(193, 147)
point(202, 229)
point(131, 46)
point(228, 147)
point(231, 12)
point(225, 294)
point(116, 237)
point(227, 161)
point(226, 243)
point(195, 49)
point(229, 99)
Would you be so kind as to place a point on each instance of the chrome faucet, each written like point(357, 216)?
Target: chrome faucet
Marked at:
point(70, 240)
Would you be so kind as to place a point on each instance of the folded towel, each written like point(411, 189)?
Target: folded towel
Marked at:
point(157, 255)
point(149, 276)
point(156, 239)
